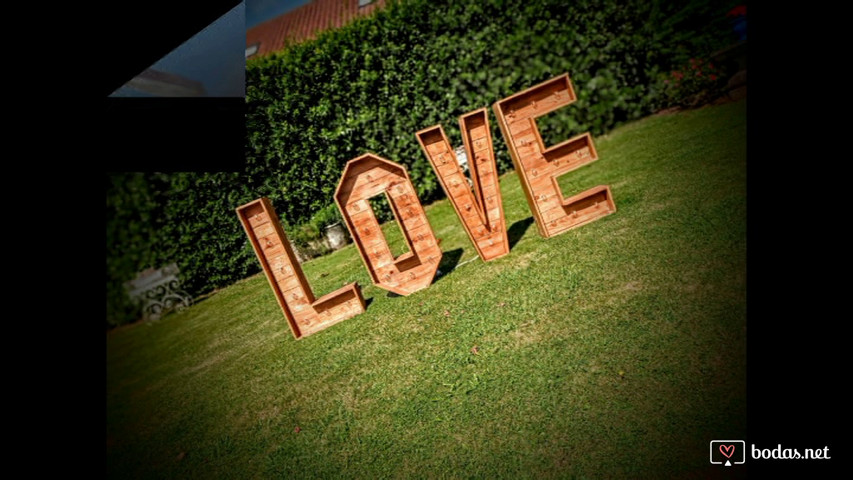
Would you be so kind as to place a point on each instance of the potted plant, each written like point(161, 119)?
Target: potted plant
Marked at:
point(328, 220)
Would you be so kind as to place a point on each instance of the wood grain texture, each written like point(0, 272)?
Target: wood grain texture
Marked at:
point(481, 210)
point(538, 166)
point(368, 176)
point(304, 313)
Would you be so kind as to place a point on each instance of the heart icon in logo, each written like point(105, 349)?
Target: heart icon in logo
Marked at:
point(727, 450)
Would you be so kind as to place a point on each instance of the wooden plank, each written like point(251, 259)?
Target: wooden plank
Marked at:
point(381, 258)
point(447, 169)
point(256, 216)
point(582, 208)
point(288, 282)
point(281, 268)
point(405, 200)
point(526, 139)
point(488, 179)
point(421, 238)
point(436, 148)
point(483, 157)
point(494, 244)
point(545, 183)
point(521, 127)
point(307, 321)
point(495, 217)
point(554, 213)
point(490, 192)
point(529, 149)
point(479, 132)
point(270, 243)
point(264, 230)
point(458, 186)
point(378, 183)
point(560, 87)
point(370, 176)
point(356, 207)
point(273, 251)
point(371, 238)
point(485, 168)
point(481, 144)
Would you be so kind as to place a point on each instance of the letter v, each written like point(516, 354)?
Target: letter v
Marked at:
point(480, 212)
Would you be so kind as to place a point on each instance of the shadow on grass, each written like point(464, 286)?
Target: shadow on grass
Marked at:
point(449, 260)
point(517, 230)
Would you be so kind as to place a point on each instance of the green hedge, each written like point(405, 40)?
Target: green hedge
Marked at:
point(370, 86)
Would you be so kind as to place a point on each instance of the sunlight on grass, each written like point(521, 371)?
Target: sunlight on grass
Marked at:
point(615, 350)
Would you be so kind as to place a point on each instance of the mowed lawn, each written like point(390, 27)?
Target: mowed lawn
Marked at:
point(614, 350)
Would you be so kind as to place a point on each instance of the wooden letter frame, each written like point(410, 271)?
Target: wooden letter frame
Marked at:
point(539, 166)
point(304, 313)
point(370, 175)
point(481, 213)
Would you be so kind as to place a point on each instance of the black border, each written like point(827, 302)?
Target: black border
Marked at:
point(172, 134)
point(795, 305)
point(162, 134)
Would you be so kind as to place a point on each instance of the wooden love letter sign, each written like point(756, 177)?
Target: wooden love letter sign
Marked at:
point(304, 313)
point(539, 166)
point(365, 177)
point(482, 212)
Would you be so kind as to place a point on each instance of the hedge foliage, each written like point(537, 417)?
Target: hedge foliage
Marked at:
point(370, 86)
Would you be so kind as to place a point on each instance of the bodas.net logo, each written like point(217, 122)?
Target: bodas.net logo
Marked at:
point(728, 452)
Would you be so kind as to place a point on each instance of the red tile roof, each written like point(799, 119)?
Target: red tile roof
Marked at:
point(305, 23)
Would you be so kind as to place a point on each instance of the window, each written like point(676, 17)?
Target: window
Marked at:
point(251, 50)
point(364, 3)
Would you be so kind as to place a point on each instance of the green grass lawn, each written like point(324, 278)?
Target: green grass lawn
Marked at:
point(615, 350)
